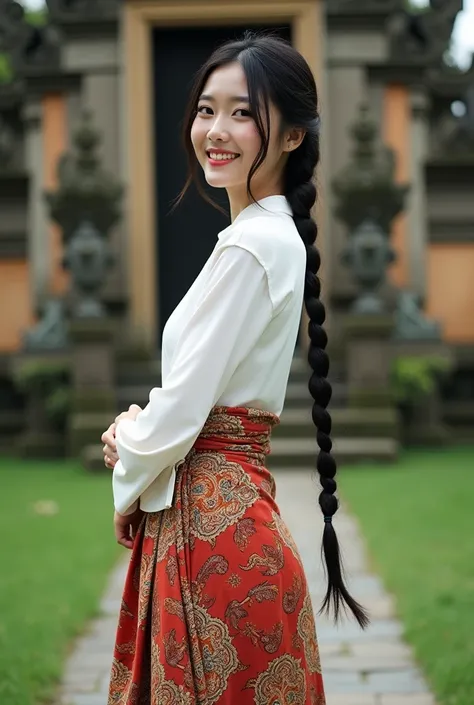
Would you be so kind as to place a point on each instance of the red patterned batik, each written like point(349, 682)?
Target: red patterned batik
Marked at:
point(216, 607)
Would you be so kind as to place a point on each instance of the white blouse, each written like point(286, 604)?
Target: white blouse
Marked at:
point(229, 342)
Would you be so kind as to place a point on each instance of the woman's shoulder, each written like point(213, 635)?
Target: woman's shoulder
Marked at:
point(270, 237)
point(277, 245)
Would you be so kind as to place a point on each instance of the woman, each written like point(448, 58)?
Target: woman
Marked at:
point(216, 606)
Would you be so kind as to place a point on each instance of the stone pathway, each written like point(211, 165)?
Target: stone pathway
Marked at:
point(371, 667)
point(374, 667)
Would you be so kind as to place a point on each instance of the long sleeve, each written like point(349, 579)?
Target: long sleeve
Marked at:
point(228, 321)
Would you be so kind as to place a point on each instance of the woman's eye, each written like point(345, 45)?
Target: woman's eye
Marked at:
point(202, 108)
point(247, 113)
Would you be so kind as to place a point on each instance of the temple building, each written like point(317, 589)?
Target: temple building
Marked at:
point(119, 73)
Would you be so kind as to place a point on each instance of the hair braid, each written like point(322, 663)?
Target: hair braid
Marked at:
point(301, 193)
point(277, 74)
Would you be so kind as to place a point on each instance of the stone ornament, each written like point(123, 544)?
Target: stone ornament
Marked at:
point(423, 38)
point(410, 321)
point(30, 49)
point(50, 333)
point(88, 259)
point(86, 191)
point(366, 188)
point(368, 254)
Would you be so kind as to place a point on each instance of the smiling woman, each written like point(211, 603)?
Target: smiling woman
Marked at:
point(221, 612)
point(224, 133)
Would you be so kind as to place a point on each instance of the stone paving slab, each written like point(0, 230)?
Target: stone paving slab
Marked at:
point(372, 667)
point(351, 699)
point(425, 699)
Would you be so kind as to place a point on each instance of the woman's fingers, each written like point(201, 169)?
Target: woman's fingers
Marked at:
point(110, 458)
point(123, 537)
point(110, 452)
point(122, 528)
point(108, 438)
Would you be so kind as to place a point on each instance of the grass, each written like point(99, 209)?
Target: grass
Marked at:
point(57, 548)
point(418, 519)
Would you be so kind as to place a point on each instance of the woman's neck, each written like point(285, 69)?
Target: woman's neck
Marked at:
point(239, 202)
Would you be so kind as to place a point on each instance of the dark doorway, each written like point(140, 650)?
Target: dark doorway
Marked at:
point(188, 235)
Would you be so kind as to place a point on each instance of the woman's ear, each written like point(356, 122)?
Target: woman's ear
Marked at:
point(293, 138)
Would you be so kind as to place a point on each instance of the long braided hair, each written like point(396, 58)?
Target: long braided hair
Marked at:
point(276, 73)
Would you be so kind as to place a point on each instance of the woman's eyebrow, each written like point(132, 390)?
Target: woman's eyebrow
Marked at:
point(233, 99)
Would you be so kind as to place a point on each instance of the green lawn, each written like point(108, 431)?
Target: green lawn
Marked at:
point(418, 519)
point(57, 548)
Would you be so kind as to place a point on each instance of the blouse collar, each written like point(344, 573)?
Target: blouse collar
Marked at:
point(265, 206)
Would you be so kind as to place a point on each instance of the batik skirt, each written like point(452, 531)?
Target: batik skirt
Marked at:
point(216, 607)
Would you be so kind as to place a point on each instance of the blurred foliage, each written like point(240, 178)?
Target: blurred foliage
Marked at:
point(6, 73)
point(50, 380)
point(58, 406)
point(413, 378)
point(41, 376)
point(37, 18)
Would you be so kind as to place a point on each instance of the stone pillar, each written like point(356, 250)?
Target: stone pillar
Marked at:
point(94, 404)
point(86, 205)
point(371, 413)
point(38, 232)
point(368, 359)
point(97, 58)
point(417, 205)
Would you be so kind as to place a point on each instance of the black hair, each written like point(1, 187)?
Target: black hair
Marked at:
point(278, 74)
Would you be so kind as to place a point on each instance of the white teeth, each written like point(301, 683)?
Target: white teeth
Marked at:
point(220, 157)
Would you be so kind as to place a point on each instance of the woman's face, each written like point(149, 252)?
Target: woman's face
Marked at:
point(226, 140)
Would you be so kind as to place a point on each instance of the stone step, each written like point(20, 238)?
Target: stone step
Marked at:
point(297, 399)
point(297, 422)
point(148, 372)
point(297, 452)
point(145, 372)
point(297, 394)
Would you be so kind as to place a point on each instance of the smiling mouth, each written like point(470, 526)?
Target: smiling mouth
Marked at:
point(222, 157)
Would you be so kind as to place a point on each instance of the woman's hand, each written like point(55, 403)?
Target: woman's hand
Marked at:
point(132, 413)
point(110, 449)
point(126, 527)
point(108, 438)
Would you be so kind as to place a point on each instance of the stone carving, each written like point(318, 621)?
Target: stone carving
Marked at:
point(366, 188)
point(425, 37)
point(86, 191)
point(368, 255)
point(30, 49)
point(88, 258)
point(410, 321)
point(453, 135)
point(50, 333)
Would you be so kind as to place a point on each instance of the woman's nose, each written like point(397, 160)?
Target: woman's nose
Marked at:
point(217, 132)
